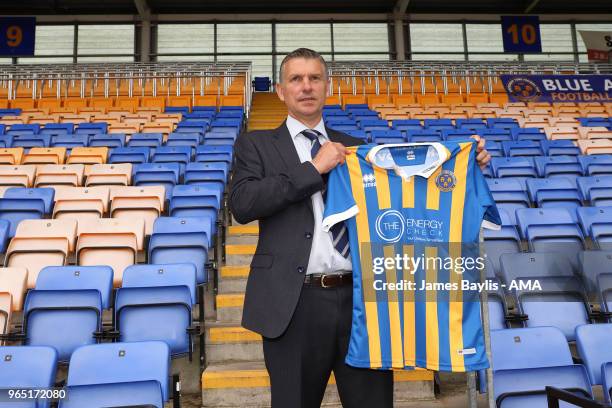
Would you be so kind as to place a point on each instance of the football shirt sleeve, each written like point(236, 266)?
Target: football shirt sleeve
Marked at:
point(340, 204)
point(490, 218)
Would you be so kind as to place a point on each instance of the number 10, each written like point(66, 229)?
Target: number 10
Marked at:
point(528, 34)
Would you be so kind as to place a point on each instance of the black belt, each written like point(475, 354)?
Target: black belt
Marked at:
point(332, 280)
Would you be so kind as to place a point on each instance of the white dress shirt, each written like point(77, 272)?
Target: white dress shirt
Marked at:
point(323, 256)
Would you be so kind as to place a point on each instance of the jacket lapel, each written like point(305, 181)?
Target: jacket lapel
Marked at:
point(285, 147)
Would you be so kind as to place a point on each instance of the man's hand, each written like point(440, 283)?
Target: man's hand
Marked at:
point(329, 156)
point(482, 155)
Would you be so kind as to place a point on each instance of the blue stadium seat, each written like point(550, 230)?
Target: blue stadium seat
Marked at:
point(92, 128)
point(526, 134)
point(591, 265)
point(502, 123)
point(509, 194)
point(28, 367)
point(359, 107)
point(230, 114)
point(177, 109)
point(197, 108)
point(522, 148)
point(19, 129)
point(152, 140)
point(594, 122)
point(216, 138)
point(406, 124)
point(560, 148)
point(5, 141)
point(496, 300)
point(15, 210)
point(359, 134)
point(567, 166)
point(343, 128)
point(196, 200)
point(596, 222)
point(134, 155)
point(593, 345)
point(98, 278)
point(119, 375)
point(111, 141)
point(172, 154)
point(387, 136)
point(370, 125)
point(184, 139)
point(214, 153)
point(594, 165)
point(554, 192)
point(148, 174)
point(192, 126)
point(62, 319)
point(5, 229)
point(495, 135)
point(596, 190)
point(207, 173)
point(506, 240)
point(199, 115)
point(551, 230)
point(57, 129)
point(182, 238)
point(470, 124)
point(414, 136)
point(70, 141)
point(604, 291)
point(10, 112)
point(513, 167)
point(2, 128)
point(44, 194)
point(30, 140)
point(155, 304)
point(438, 124)
point(606, 382)
point(525, 361)
point(494, 148)
point(456, 134)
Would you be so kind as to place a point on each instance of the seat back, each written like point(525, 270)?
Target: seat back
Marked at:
point(98, 278)
point(593, 344)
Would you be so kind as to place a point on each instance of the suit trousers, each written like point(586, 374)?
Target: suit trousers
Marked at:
point(315, 343)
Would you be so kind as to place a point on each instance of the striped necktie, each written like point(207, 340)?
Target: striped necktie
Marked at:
point(338, 231)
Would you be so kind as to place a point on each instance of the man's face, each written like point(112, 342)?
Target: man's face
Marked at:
point(303, 88)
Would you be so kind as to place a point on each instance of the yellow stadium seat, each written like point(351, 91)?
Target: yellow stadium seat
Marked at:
point(80, 203)
point(153, 102)
point(332, 100)
point(477, 98)
point(563, 122)
point(126, 128)
point(427, 99)
point(20, 176)
point(559, 133)
point(118, 174)
point(377, 100)
point(110, 241)
point(165, 128)
point(23, 104)
point(205, 100)
point(353, 99)
point(88, 155)
point(41, 243)
point(45, 155)
point(59, 175)
point(598, 132)
point(179, 101)
point(14, 281)
point(49, 103)
point(452, 99)
point(144, 202)
point(11, 155)
point(77, 103)
point(231, 100)
point(77, 118)
point(533, 122)
point(595, 146)
point(5, 314)
point(103, 103)
point(4, 103)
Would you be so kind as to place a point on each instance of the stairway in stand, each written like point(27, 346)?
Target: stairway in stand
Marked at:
point(236, 375)
point(267, 111)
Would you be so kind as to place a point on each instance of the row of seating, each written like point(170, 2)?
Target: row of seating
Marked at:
point(110, 374)
point(538, 166)
point(526, 361)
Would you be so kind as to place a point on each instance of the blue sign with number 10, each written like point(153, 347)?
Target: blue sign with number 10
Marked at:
point(521, 34)
point(17, 36)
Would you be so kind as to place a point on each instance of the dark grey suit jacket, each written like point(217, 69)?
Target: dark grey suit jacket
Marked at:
point(271, 185)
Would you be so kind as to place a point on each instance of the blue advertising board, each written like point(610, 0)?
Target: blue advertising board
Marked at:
point(521, 34)
point(558, 88)
point(17, 36)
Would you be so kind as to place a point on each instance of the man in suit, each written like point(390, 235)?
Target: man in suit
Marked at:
point(299, 290)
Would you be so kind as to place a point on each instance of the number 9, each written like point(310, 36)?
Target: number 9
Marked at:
point(14, 36)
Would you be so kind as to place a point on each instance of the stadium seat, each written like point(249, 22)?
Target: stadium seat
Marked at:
point(522, 148)
point(387, 136)
point(502, 241)
point(5, 228)
point(134, 155)
point(191, 140)
point(554, 192)
point(80, 203)
point(594, 146)
point(513, 167)
point(169, 154)
point(495, 135)
point(118, 374)
point(40, 243)
point(69, 141)
point(87, 155)
point(196, 200)
point(28, 367)
point(13, 282)
point(152, 140)
point(22, 176)
point(156, 293)
point(566, 166)
point(551, 230)
point(45, 155)
point(52, 175)
point(560, 147)
point(111, 242)
point(207, 173)
point(414, 136)
point(509, 194)
point(99, 278)
point(109, 175)
point(11, 156)
point(182, 238)
point(105, 140)
point(527, 360)
point(596, 222)
point(214, 153)
point(143, 202)
point(594, 165)
point(593, 345)
point(16, 210)
point(165, 174)
point(592, 264)
point(596, 190)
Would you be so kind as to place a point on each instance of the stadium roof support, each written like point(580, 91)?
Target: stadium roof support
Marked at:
point(398, 16)
point(144, 11)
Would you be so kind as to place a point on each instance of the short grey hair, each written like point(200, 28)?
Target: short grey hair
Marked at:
point(305, 53)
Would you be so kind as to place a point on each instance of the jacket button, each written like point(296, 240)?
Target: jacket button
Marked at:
point(308, 235)
point(300, 269)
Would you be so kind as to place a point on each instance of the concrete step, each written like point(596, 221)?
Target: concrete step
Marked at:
point(243, 230)
point(241, 240)
point(247, 385)
point(233, 278)
point(232, 285)
point(227, 343)
point(239, 254)
point(229, 307)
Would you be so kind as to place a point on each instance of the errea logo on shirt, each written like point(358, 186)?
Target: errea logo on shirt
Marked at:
point(369, 180)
